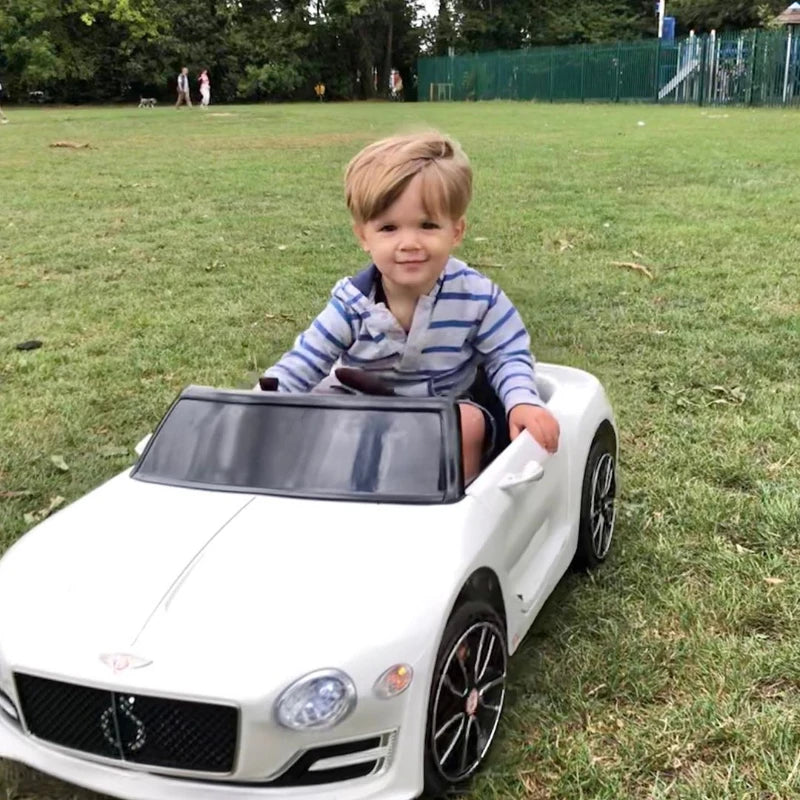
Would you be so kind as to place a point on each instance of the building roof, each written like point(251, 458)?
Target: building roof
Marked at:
point(791, 16)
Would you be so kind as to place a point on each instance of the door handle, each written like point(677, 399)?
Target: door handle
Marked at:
point(531, 472)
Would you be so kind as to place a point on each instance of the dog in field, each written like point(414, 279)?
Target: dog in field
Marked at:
point(147, 102)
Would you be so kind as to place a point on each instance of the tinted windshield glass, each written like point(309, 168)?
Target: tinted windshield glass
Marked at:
point(296, 449)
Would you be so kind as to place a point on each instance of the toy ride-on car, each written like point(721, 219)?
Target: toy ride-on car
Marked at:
point(295, 596)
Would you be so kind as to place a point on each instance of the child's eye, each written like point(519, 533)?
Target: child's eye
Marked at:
point(429, 226)
point(388, 228)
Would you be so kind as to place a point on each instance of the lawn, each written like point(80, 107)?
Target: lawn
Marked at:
point(189, 247)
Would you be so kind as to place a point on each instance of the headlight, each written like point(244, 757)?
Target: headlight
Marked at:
point(318, 700)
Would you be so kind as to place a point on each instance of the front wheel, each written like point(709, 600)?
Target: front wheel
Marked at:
point(466, 699)
point(598, 503)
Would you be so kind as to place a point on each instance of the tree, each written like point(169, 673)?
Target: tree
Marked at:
point(720, 15)
point(444, 30)
point(490, 24)
point(590, 21)
point(81, 46)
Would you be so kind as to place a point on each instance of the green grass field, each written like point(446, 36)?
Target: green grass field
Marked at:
point(184, 247)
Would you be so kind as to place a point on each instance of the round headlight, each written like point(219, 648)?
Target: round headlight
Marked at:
point(318, 700)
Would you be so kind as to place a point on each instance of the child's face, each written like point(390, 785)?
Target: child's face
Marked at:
point(408, 246)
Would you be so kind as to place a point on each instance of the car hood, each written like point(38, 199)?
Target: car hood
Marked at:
point(90, 574)
point(207, 585)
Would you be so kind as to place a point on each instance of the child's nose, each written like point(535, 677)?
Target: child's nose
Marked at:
point(409, 240)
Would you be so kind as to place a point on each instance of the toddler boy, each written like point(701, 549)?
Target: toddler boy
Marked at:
point(417, 319)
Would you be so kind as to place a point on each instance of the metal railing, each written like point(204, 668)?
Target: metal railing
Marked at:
point(754, 67)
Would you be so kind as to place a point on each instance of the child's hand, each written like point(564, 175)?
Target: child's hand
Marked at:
point(539, 423)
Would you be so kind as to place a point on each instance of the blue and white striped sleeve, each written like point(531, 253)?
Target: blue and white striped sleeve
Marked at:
point(505, 345)
point(316, 349)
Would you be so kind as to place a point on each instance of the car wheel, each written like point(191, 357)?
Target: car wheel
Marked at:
point(466, 699)
point(598, 503)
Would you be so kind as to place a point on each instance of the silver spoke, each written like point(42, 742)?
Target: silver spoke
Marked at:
point(595, 488)
point(454, 718)
point(487, 687)
point(464, 673)
point(465, 749)
point(491, 684)
point(608, 466)
point(598, 530)
point(480, 736)
point(452, 745)
point(480, 650)
point(599, 542)
point(449, 685)
point(479, 674)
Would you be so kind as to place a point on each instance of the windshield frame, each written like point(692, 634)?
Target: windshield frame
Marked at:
point(450, 450)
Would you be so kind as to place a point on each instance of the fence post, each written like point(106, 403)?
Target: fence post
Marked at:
point(786, 68)
point(702, 87)
point(753, 51)
point(657, 81)
point(619, 72)
point(712, 73)
point(583, 72)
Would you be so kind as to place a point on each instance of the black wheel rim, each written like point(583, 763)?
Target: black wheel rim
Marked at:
point(469, 701)
point(603, 509)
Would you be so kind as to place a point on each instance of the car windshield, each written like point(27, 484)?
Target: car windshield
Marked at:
point(296, 449)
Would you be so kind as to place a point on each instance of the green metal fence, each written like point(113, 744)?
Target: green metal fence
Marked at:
point(747, 68)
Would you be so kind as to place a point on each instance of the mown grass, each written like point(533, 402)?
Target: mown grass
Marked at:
point(189, 247)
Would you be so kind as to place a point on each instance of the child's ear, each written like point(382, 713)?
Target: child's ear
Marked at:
point(459, 228)
point(358, 230)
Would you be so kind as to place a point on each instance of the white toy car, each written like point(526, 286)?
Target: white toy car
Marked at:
point(295, 596)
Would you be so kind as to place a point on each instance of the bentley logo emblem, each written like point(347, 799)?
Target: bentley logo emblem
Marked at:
point(122, 661)
point(121, 728)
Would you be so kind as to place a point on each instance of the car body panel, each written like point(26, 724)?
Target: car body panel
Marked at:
point(229, 597)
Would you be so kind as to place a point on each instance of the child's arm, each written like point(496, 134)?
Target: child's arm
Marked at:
point(316, 349)
point(505, 344)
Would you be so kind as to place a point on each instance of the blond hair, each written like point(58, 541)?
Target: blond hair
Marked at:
point(379, 174)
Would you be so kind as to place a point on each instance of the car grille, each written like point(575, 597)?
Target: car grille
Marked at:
point(135, 728)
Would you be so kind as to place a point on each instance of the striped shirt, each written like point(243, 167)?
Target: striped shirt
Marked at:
point(466, 320)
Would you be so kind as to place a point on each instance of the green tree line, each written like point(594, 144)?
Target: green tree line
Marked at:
point(104, 50)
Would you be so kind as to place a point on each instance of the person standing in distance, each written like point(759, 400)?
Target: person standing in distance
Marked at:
point(3, 117)
point(205, 89)
point(183, 89)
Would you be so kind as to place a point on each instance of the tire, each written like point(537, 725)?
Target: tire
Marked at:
point(598, 503)
point(466, 697)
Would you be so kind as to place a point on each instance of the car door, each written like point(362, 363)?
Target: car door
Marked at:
point(519, 490)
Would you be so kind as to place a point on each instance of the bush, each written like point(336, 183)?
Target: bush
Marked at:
point(269, 82)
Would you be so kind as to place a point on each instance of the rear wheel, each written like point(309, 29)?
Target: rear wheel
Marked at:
point(466, 700)
point(598, 502)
